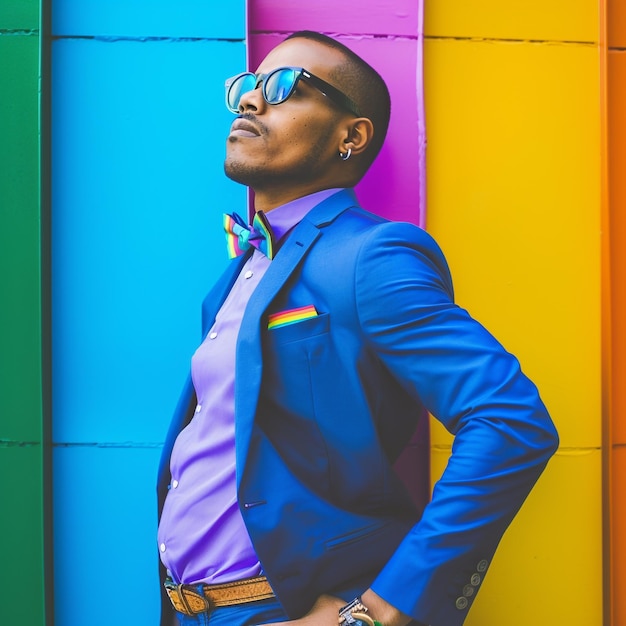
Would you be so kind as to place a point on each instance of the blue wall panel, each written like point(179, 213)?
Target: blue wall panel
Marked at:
point(150, 18)
point(138, 137)
point(105, 557)
point(138, 144)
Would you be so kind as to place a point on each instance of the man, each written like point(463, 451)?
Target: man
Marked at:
point(323, 344)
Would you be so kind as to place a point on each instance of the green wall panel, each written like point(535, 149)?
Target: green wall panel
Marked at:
point(23, 451)
point(19, 15)
point(21, 537)
point(20, 285)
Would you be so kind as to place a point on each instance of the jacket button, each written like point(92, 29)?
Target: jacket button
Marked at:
point(468, 591)
point(461, 603)
point(475, 580)
point(482, 565)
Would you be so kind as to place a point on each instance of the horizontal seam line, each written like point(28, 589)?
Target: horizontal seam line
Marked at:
point(107, 444)
point(446, 446)
point(19, 31)
point(511, 40)
point(15, 443)
point(340, 34)
point(147, 38)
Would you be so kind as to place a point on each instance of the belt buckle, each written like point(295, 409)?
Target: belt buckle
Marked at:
point(185, 600)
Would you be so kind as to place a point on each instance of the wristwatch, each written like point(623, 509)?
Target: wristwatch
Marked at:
point(355, 614)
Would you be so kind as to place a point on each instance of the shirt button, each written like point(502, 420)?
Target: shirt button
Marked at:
point(162, 547)
point(174, 484)
point(213, 335)
point(248, 274)
point(199, 408)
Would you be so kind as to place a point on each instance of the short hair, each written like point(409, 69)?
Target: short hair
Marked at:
point(363, 84)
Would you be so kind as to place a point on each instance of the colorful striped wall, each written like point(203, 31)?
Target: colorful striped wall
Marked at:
point(521, 100)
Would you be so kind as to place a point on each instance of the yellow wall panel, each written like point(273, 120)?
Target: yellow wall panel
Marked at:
point(548, 568)
point(513, 171)
point(562, 20)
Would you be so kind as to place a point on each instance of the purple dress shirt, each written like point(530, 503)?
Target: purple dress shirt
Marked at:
point(202, 536)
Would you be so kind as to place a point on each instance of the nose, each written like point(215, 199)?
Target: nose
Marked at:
point(252, 101)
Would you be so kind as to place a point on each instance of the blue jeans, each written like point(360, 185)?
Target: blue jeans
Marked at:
point(248, 614)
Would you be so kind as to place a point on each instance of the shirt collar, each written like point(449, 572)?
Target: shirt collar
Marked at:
point(283, 218)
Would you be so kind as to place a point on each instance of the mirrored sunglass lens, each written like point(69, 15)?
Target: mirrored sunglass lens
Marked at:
point(278, 86)
point(241, 86)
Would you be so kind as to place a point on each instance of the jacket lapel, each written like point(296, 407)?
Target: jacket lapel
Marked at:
point(249, 359)
point(249, 362)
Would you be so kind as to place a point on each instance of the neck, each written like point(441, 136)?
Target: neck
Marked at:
point(265, 199)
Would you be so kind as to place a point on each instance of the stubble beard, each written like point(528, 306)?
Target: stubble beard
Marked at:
point(265, 177)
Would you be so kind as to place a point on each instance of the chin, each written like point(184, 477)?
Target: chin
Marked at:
point(242, 173)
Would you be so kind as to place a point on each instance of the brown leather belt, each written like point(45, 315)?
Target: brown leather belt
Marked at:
point(188, 599)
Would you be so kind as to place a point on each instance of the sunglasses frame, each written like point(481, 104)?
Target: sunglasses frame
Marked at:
point(338, 97)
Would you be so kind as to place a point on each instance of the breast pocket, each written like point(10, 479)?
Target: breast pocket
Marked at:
point(300, 331)
point(292, 352)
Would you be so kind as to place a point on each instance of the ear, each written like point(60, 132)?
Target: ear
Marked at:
point(358, 135)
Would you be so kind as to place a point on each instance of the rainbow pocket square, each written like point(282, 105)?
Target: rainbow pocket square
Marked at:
point(290, 316)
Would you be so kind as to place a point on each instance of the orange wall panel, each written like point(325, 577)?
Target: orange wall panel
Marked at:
point(616, 79)
point(617, 226)
point(616, 23)
point(619, 537)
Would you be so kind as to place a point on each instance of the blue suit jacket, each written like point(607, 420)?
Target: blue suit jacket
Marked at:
point(324, 406)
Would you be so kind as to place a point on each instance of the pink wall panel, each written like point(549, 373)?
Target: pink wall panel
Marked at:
point(390, 39)
point(375, 17)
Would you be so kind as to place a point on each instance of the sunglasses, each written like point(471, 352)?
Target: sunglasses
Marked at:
point(279, 84)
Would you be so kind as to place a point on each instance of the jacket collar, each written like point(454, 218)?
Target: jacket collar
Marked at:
point(328, 210)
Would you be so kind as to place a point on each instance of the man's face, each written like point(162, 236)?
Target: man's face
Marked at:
point(293, 144)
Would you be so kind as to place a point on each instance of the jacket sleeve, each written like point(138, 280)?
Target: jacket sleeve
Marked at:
point(476, 389)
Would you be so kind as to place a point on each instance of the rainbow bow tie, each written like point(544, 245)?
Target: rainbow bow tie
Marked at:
point(240, 236)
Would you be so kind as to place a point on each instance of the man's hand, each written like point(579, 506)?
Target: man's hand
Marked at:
point(325, 612)
point(382, 611)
